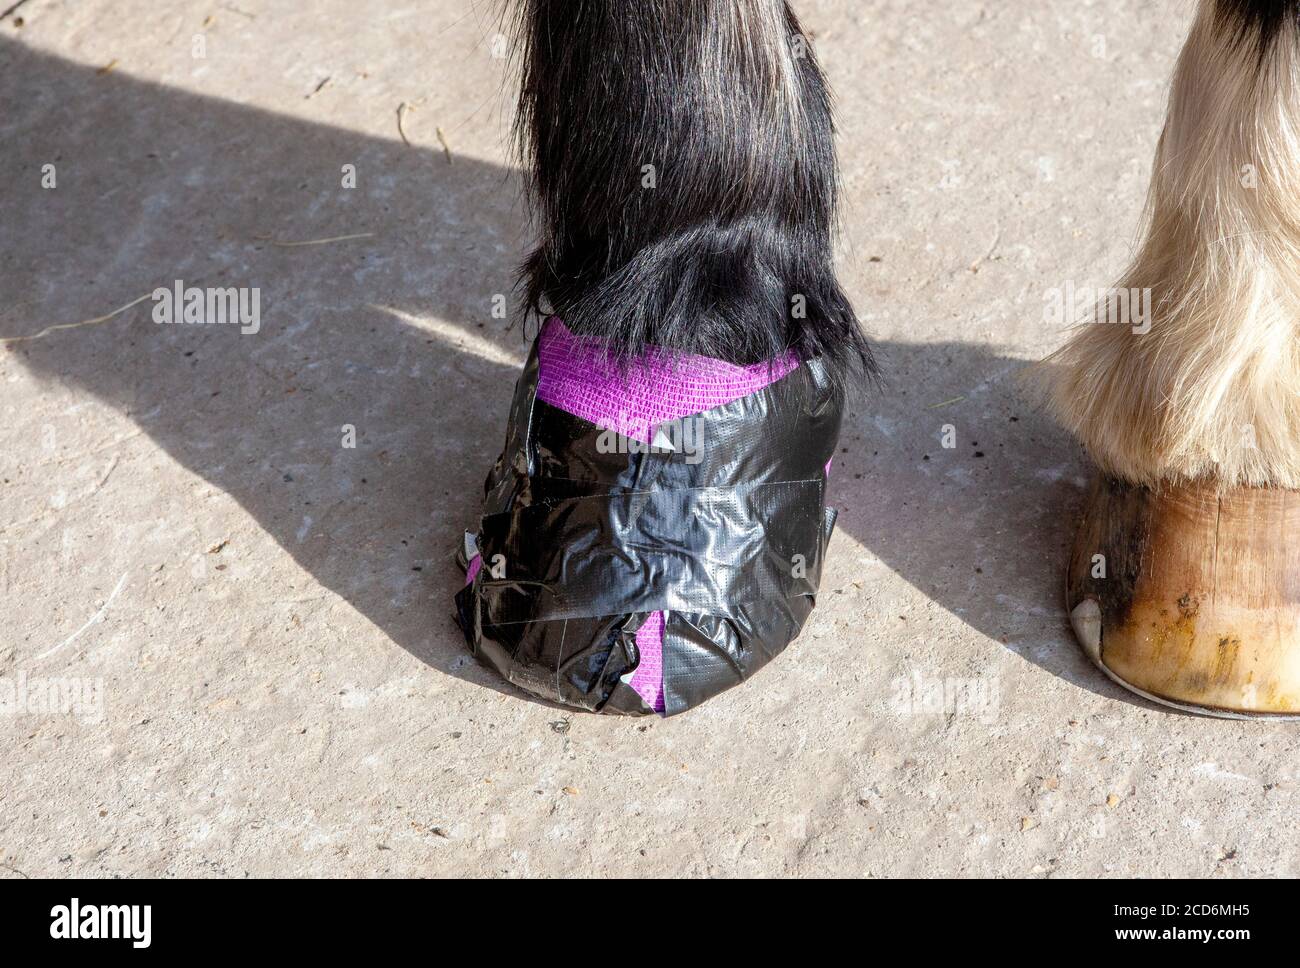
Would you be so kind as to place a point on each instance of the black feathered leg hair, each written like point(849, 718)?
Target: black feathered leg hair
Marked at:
point(684, 175)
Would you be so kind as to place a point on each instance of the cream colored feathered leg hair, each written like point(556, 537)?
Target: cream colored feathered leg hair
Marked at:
point(1212, 390)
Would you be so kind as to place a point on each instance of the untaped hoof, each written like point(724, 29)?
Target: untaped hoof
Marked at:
point(1190, 595)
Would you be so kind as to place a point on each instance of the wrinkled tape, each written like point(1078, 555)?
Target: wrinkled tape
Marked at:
point(579, 545)
point(700, 550)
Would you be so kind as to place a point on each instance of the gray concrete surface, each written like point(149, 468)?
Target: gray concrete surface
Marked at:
point(255, 619)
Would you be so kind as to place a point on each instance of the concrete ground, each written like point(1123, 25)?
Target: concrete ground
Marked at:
point(248, 622)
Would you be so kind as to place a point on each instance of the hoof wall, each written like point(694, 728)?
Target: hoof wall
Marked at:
point(1190, 596)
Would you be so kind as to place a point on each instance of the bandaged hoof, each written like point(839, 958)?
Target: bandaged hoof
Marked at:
point(653, 535)
point(1190, 596)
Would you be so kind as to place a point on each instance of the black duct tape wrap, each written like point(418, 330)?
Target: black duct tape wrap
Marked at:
point(585, 533)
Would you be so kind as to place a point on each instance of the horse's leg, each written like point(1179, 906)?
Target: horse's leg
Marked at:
point(656, 524)
point(1185, 579)
point(684, 173)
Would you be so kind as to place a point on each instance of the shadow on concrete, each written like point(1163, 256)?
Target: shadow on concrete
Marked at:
point(394, 334)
